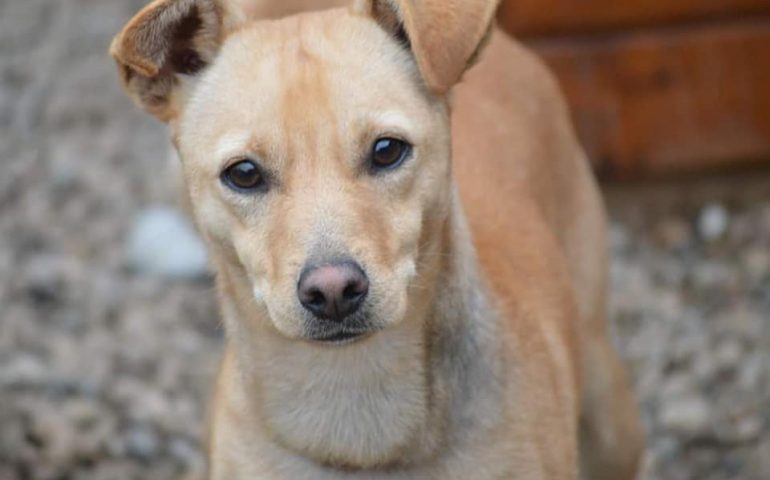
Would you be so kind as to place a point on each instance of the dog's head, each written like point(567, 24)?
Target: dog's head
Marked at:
point(316, 148)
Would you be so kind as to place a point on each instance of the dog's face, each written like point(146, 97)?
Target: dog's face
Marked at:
point(316, 151)
point(314, 158)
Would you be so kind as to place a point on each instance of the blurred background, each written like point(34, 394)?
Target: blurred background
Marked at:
point(109, 334)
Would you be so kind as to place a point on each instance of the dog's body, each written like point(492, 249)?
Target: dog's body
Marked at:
point(485, 352)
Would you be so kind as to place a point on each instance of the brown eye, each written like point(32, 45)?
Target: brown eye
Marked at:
point(389, 153)
point(244, 176)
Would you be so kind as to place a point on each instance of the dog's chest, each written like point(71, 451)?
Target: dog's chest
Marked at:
point(365, 407)
point(256, 458)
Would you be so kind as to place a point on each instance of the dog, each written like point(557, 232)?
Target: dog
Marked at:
point(408, 242)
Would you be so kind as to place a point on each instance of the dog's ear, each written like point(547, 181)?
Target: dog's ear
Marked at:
point(167, 39)
point(445, 36)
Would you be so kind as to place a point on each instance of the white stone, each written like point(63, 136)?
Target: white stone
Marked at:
point(164, 244)
point(688, 415)
point(713, 222)
point(23, 369)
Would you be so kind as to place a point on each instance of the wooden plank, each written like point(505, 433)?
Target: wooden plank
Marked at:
point(543, 17)
point(672, 100)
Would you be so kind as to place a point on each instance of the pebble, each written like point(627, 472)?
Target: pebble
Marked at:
point(745, 429)
point(677, 385)
point(756, 262)
point(185, 453)
point(754, 371)
point(673, 233)
point(164, 244)
point(142, 442)
point(686, 416)
point(23, 370)
point(46, 278)
point(728, 354)
point(713, 275)
point(56, 435)
point(713, 221)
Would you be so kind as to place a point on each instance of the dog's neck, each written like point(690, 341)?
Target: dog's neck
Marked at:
point(396, 397)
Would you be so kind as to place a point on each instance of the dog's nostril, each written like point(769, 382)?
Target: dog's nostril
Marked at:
point(316, 298)
point(333, 292)
point(353, 291)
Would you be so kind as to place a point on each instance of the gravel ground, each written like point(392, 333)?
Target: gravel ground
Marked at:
point(104, 372)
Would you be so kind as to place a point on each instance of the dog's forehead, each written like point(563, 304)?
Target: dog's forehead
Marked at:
point(303, 70)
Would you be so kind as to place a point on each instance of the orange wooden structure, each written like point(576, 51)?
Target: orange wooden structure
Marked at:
point(658, 86)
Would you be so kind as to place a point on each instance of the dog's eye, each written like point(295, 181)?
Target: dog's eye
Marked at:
point(389, 153)
point(244, 176)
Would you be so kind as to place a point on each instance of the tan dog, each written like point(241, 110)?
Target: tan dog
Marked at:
point(406, 293)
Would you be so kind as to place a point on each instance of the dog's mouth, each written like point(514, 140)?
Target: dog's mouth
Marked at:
point(342, 337)
point(352, 329)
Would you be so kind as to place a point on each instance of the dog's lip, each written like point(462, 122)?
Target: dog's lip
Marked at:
point(341, 337)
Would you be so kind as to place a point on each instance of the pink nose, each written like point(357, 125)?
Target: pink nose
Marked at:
point(333, 292)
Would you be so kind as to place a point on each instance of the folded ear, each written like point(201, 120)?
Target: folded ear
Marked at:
point(168, 38)
point(445, 35)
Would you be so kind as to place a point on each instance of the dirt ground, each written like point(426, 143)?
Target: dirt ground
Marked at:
point(104, 372)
